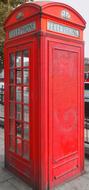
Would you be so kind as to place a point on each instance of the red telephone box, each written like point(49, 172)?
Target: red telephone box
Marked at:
point(44, 102)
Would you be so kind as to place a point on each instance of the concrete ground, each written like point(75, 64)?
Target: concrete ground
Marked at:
point(9, 181)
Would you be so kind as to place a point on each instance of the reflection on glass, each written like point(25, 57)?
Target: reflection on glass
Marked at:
point(11, 109)
point(26, 150)
point(12, 143)
point(18, 129)
point(18, 76)
point(26, 113)
point(11, 76)
point(18, 146)
point(25, 76)
point(26, 131)
point(12, 126)
point(12, 60)
point(18, 111)
point(18, 94)
point(26, 95)
point(18, 59)
point(25, 58)
point(12, 92)
point(2, 110)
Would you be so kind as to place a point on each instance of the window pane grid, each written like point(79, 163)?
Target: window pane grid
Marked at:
point(19, 99)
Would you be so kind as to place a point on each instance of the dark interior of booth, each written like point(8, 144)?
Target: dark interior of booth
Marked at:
point(2, 153)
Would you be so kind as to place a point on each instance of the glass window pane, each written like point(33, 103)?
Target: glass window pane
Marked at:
point(26, 150)
point(26, 95)
point(12, 127)
point(18, 129)
point(1, 93)
point(12, 111)
point(18, 146)
point(26, 113)
point(18, 94)
point(18, 111)
point(12, 143)
point(18, 59)
point(2, 112)
point(12, 76)
point(12, 60)
point(19, 76)
point(25, 58)
point(26, 131)
point(12, 88)
point(25, 76)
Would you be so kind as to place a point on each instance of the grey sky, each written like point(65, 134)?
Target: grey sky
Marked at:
point(82, 6)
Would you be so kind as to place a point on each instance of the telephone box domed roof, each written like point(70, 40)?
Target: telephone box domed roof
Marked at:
point(46, 7)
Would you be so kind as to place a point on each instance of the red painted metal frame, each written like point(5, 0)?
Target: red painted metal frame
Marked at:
point(70, 46)
point(10, 157)
point(46, 106)
point(42, 42)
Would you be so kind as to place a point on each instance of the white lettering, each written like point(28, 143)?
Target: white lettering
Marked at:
point(62, 29)
point(22, 30)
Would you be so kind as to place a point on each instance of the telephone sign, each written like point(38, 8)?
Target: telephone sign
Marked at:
point(22, 30)
point(62, 29)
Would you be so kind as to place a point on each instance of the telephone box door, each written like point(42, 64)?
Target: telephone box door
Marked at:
point(64, 111)
point(18, 123)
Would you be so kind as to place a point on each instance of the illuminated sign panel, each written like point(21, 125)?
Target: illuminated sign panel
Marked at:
point(22, 30)
point(62, 29)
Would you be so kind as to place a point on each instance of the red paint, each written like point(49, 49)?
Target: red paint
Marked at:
point(53, 148)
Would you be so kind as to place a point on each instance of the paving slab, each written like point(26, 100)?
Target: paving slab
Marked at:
point(77, 184)
point(7, 186)
point(5, 175)
point(19, 184)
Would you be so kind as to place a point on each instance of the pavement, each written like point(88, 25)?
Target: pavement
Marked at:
point(8, 181)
